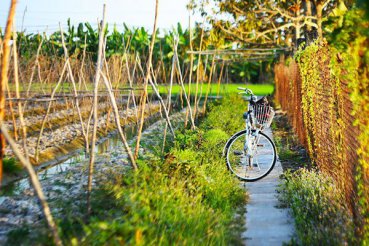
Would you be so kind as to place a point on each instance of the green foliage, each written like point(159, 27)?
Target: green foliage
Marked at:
point(321, 216)
point(334, 84)
point(10, 165)
point(350, 30)
point(187, 198)
point(225, 89)
point(351, 40)
point(131, 42)
point(227, 116)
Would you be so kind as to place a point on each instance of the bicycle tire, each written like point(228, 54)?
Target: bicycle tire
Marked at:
point(228, 148)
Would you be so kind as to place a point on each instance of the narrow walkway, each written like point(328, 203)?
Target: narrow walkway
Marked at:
point(266, 222)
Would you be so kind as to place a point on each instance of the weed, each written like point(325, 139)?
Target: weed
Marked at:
point(186, 196)
point(321, 216)
point(10, 165)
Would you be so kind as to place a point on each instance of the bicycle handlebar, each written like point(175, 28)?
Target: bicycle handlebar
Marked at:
point(245, 91)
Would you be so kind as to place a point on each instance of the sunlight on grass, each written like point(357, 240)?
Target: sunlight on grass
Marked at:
point(224, 89)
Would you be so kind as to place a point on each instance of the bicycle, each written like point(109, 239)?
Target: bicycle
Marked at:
point(250, 154)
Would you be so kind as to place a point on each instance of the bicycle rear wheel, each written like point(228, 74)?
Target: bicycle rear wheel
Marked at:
point(248, 168)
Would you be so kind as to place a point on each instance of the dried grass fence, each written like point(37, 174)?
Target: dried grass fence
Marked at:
point(318, 91)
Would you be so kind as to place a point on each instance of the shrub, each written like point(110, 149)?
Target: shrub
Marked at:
point(318, 206)
point(227, 116)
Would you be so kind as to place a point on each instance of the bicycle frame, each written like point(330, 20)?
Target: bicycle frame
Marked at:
point(252, 133)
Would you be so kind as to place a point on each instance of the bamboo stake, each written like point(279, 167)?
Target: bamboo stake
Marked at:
point(190, 72)
point(36, 185)
point(75, 93)
point(209, 83)
point(117, 121)
point(156, 91)
point(81, 76)
point(130, 79)
point(93, 142)
point(220, 78)
point(20, 109)
point(131, 93)
point(34, 67)
point(169, 98)
point(48, 111)
point(198, 72)
point(183, 89)
point(88, 129)
point(203, 77)
point(4, 78)
point(148, 67)
point(15, 130)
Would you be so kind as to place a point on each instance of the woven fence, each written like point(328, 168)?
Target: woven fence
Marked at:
point(325, 95)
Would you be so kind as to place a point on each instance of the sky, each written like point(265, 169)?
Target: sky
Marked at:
point(45, 15)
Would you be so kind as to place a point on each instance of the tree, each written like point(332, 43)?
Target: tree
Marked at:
point(271, 21)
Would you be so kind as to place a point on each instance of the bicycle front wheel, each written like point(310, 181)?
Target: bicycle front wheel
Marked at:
point(250, 165)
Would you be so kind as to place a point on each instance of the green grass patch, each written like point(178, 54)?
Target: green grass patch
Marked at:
point(317, 204)
point(184, 196)
point(10, 165)
point(224, 89)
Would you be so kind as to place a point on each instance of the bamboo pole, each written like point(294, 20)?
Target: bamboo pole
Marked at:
point(4, 78)
point(36, 185)
point(198, 73)
point(95, 116)
point(183, 89)
point(203, 77)
point(220, 78)
point(209, 83)
point(81, 76)
point(169, 98)
point(148, 67)
point(34, 67)
point(131, 93)
point(157, 93)
point(20, 109)
point(15, 129)
point(117, 120)
point(190, 72)
point(75, 93)
point(48, 111)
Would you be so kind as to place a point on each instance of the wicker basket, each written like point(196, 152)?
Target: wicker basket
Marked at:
point(263, 114)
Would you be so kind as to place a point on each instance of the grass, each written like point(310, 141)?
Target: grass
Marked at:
point(321, 217)
point(184, 196)
point(320, 213)
point(225, 89)
point(10, 165)
point(258, 89)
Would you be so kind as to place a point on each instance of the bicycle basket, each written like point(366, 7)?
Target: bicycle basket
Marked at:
point(264, 115)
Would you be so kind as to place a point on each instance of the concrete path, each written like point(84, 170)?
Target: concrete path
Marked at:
point(266, 223)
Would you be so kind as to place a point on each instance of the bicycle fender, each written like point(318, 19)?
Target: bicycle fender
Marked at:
point(230, 139)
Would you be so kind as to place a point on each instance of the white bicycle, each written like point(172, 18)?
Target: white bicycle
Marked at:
point(250, 154)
